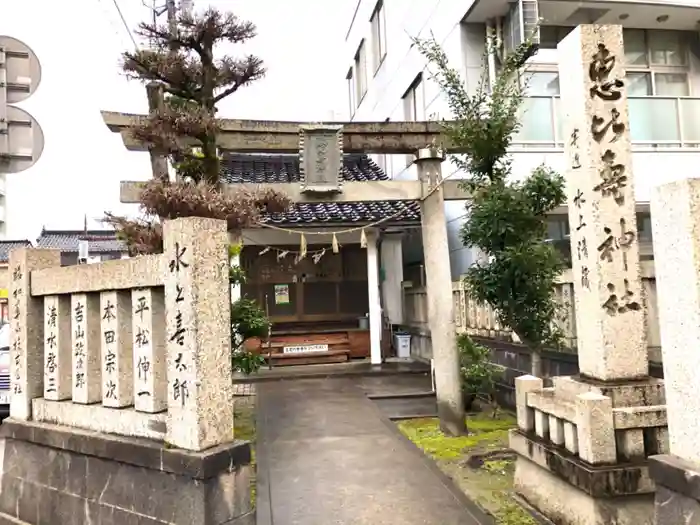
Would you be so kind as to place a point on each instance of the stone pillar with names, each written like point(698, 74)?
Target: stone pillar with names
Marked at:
point(26, 329)
point(57, 348)
point(116, 349)
point(675, 213)
point(149, 356)
point(87, 348)
point(198, 333)
point(610, 315)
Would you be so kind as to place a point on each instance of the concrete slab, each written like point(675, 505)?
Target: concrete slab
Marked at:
point(326, 454)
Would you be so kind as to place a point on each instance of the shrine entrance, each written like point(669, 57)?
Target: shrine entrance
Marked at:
point(330, 293)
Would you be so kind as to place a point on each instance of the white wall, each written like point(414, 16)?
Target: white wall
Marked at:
point(465, 47)
point(404, 19)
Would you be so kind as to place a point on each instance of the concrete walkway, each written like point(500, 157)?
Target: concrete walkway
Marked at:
point(327, 456)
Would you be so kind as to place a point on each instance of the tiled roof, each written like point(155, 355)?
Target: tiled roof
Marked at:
point(260, 169)
point(7, 246)
point(100, 241)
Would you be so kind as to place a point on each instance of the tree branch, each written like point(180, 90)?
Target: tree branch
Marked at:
point(236, 74)
point(181, 74)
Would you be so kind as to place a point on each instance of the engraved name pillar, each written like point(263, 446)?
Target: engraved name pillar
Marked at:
point(148, 333)
point(85, 323)
point(117, 354)
point(26, 329)
point(608, 287)
point(57, 348)
point(198, 333)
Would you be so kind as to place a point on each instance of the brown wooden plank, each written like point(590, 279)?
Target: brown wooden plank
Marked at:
point(359, 342)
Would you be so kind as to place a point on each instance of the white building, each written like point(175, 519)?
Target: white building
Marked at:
point(388, 80)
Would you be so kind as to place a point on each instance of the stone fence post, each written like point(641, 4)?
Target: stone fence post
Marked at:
point(675, 213)
point(27, 329)
point(198, 333)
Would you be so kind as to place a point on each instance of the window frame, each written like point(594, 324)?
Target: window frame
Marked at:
point(651, 69)
point(360, 67)
point(379, 40)
point(383, 159)
point(350, 79)
point(410, 100)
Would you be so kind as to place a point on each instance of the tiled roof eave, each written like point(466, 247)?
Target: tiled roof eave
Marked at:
point(342, 224)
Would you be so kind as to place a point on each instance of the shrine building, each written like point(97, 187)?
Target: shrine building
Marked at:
point(322, 305)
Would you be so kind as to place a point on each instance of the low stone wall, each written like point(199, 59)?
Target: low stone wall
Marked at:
point(515, 360)
point(122, 388)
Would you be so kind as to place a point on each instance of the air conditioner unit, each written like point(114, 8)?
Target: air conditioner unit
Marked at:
point(521, 24)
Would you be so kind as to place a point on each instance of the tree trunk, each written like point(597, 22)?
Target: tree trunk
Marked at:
point(536, 362)
point(210, 162)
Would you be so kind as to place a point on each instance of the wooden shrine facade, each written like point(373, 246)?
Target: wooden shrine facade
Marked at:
point(333, 291)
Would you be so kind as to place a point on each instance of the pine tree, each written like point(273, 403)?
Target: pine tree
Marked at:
point(184, 127)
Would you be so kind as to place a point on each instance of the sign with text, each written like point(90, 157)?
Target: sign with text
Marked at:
point(281, 294)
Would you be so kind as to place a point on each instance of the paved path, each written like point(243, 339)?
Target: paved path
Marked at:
point(327, 456)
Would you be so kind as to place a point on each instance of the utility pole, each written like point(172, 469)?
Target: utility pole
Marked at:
point(172, 23)
point(154, 90)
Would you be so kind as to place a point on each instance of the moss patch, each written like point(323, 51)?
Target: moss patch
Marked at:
point(490, 485)
point(244, 428)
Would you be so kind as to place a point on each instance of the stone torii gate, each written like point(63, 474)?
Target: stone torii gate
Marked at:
point(321, 147)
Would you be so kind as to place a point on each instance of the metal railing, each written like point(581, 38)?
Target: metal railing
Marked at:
point(657, 122)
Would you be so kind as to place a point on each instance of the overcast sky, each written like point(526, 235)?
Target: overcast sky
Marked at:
point(79, 43)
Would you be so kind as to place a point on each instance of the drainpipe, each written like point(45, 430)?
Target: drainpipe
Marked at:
point(492, 43)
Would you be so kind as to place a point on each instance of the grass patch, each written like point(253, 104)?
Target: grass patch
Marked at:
point(244, 428)
point(489, 485)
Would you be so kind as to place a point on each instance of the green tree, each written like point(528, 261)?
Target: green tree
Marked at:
point(185, 129)
point(506, 217)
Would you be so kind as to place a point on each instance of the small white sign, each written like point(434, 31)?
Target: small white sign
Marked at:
point(304, 348)
point(4, 398)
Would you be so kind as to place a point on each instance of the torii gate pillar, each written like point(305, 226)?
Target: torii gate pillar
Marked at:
point(443, 333)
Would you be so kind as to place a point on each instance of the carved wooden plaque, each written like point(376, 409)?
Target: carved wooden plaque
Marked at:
point(321, 158)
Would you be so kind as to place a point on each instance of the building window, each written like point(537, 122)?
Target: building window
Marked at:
point(558, 235)
point(644, 227)
point(378, 22)
point(360, 73)
point(351, 92)
point(413, 100)
point(383, 161)
point(413, 106)
point(558, 228)
point(542, 83)
point(656, 62)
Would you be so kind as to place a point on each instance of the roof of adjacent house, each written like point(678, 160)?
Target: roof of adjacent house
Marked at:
point(7, 246)
point(260, 169)
point(100, 241)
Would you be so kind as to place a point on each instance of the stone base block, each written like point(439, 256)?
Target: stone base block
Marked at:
point(564, 504)
point(569, 491)
point(98, 418)
point(54, 474)
point(677, 490)
point(633, 393)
